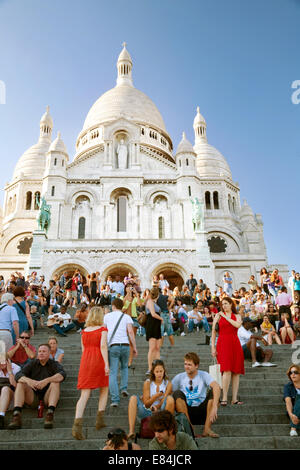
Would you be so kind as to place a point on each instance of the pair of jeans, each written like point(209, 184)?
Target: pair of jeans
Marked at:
point(191, 325)
point(62, 330)
point(166, 326)
point(206, 325)
point(296, 411)
point(118, 354)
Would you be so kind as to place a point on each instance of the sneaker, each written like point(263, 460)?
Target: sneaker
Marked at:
point(256, 364)
point(48, 423)
point(114, 405)
point(182, 334)
point(124, 394)
point(268, 364)
point(16, 422)
point(293, 433)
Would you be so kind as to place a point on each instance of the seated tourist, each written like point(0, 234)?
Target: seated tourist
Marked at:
point(194, 319)
point(22, 352)
point(251, 347)
point(166, 437)
point(80, 317)
point(196, 395)
point(7, 386)
point(156, 396)
point(117, 440)
point(61, 321)
point(286, 329)
point(269, 331)
point(292, 398)
point(56, 353)
point(38, 381)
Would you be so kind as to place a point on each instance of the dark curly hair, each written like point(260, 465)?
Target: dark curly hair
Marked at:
point(163, 421)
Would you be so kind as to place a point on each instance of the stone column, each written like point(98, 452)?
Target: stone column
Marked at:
point(35, 261)
point(206, 269)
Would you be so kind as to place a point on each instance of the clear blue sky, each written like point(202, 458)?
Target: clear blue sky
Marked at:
point(236, 59)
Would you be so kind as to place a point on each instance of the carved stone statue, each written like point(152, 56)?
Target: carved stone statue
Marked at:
point(198, 214)
point(122, 155)
point(44, 216)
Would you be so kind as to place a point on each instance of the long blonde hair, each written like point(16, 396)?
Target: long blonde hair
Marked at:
point(95, 317)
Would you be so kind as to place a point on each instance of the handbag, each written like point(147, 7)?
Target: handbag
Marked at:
point(142, 319)
point(215, 372)
point(145, 430)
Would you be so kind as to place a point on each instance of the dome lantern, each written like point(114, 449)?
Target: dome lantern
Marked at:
point(46, 126)
point(199, 127)
point(124, 66)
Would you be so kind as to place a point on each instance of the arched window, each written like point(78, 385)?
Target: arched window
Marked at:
point(81, 228)
point(121, 214)
point(207, 200)
point(229, 203)
point(187, 161)
point(216, 199)
point(55, 161)
point(28, 200)
point(53, 191)
point(37, 198)
point(190, 191)
point(161, 227)
point(233, 205)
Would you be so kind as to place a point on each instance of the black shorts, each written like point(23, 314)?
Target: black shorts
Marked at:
point(197, 414)
point(247, 353)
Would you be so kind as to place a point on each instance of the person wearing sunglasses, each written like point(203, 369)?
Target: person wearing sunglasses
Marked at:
point(117, 440)
point(23, 351)
point(291, 395)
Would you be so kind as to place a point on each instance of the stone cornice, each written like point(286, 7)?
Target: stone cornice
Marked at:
point(118, 250)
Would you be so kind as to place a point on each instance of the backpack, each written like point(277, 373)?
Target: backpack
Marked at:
point(145, 431)
point(183, 425)
point(68, 284)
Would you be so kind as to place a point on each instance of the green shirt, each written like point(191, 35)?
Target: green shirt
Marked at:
point(183, 442)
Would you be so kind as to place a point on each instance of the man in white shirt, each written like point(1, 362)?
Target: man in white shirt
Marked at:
point(163, 283)
point(251, 347)
point(291, 283)
point(196, 394)
point(118, 349)
point(65, 321)
point(117, 287)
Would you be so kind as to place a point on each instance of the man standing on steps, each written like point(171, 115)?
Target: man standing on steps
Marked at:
point(118, 349)
point(197, 395)
point(38, 381)
point(251, 347)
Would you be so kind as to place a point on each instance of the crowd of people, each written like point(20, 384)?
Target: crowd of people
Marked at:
point(109, 315)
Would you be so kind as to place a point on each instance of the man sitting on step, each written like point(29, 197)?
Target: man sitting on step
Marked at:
point(38, 381)
point(251, 347)
point(196, 394)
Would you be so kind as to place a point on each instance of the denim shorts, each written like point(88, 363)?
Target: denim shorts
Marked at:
point(166, 326)
point(135, 322)
point(144, 412)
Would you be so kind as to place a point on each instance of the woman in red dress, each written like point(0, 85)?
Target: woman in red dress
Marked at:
point(94, 369)
point(228, 351)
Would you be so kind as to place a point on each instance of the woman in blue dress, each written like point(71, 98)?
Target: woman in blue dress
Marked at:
point(22, 307)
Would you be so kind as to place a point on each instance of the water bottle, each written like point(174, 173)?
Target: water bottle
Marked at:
point(41, 409)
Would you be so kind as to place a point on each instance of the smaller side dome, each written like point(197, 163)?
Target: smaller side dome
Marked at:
point(58, 145)
point(184, 146)
point(246, 210)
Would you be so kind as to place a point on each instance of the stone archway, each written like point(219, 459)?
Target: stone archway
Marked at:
point(118, 269)
point(70, 269)
point(172, 273)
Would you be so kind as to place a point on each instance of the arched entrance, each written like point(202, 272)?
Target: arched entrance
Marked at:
point(69, 269)
point(172, 274)
point(121, 270)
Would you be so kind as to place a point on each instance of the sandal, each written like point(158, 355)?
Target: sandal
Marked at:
point(237, 402)
point(131, 437)
point(223, 403)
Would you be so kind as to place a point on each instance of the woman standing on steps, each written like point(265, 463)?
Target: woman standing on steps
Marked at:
point(94, 369)
point(153, 326)
point(228, 351)
point(156, 397)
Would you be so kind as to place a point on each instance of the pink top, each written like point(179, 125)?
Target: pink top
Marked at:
point(283, 299)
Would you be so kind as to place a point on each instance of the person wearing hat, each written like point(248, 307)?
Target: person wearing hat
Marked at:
point(9, 320)
point(251, 347)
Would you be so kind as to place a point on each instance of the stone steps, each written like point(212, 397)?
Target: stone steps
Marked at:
point(261, 423)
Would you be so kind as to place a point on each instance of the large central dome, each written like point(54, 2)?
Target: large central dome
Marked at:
point(124, 100)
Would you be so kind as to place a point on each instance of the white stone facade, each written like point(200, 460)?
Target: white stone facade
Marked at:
point(125, 199)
